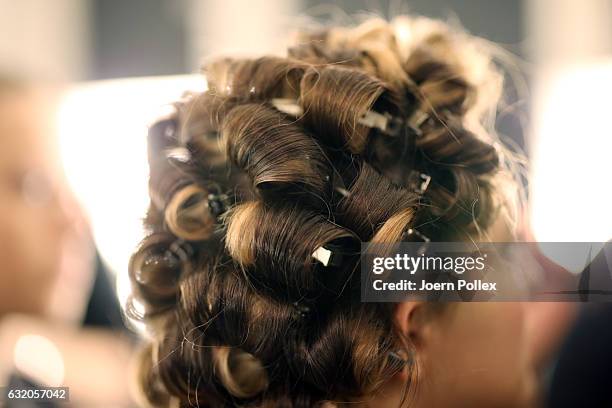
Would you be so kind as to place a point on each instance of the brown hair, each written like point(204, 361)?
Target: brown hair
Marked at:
point(243, 193)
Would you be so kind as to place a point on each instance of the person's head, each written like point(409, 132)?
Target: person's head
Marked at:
point(283, 160)
point(31, 220)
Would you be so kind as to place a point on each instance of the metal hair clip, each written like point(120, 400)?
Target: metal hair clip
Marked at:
point(180, 154)
point(181, 250)
point(383, 121)
point(392, 125)
point(288, 106)
point(327, 257)
point(386, 123)
point(416, 121)
point(413, 233)
point(399, 361)
point(301, 309)
point(338, 185)
point(217, 204)
point(342, 191)
point(419, 182)
point(170, 130)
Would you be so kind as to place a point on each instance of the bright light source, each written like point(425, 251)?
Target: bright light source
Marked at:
point(572, 156)
point(102, 130)
point(572, 163)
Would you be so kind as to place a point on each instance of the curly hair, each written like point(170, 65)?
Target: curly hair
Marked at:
point(245, 190)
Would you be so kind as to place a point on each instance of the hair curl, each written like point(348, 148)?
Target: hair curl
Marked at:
point(242, 194)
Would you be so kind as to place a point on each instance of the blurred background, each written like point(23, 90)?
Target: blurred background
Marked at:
point(105, 68)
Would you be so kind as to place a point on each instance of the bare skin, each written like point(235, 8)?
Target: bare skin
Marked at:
point(487, 354)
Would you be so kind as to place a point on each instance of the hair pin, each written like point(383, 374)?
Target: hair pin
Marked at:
point(416, 121)
point(342, 191)
point(385, 122)
point(327, 257)
point(338, 185)
point(419, 182)
point(411, 232)
point(422, 237)
point(288, 106)
point(399, 361)
point(180, 154)
point(170, 130)
point(181, 249)
point(301, 309)
point(382, 121)
point(217, 204)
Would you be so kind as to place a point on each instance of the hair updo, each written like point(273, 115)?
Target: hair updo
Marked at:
point(244, 194)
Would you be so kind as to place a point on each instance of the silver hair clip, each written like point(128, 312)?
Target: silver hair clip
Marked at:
point(342, 191)
point(181, 250)
point(217, 204)
point(391, 125)
point(419, 182)
point(411, 232)
point(327, 257)
point(416, 233)
point(384, 122)
point(400, 362)
point(338, 185)
point(288, 106)
point(416, 121)
point(170, 130)
point(180, 154)
point(301, 309)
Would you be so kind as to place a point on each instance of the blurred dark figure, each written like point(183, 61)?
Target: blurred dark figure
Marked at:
point(583, 374)
point(103, 309)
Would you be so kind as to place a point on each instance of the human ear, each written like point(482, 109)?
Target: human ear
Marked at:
point(412, 321)
point(409, 321)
